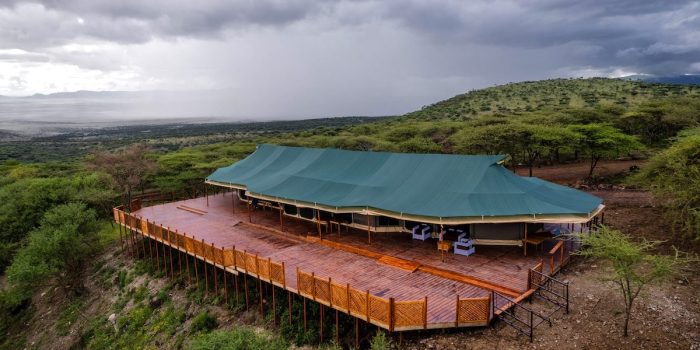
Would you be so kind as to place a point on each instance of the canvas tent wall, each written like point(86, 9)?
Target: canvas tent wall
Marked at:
point(431, 188)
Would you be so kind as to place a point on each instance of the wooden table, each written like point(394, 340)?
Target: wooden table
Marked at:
point(444, 247)
point(536, 240)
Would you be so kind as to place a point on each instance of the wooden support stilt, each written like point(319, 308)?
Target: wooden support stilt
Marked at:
point(235, 282)
point(357, 333)
point(121, 240)
point(206, 272)
point(260, 294)
point(143, 244)
point(165, 262)
point(155, 246)
point(318, 223)
point(179, 259)
point(196, 271)
point(170, 245)
point(187, 262)
point(245, 290)
point(150, 249)
point(216, 277)
point(337, 327)
point(130, 242)
point(225, 287)
point(233, 200)
point(281, 223)
point(274, 306)
point(525, 242)
point(250, 215)
point(289, 301)
point(206, 192)
point(369, 233)
point(305, 326)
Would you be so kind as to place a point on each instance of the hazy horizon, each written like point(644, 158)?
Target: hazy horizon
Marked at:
point(303, 58)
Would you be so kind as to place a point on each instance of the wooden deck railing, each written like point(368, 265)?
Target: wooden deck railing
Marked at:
point(383, 312)
point(557, 251)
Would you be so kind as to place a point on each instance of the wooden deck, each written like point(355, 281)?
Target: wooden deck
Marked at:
point(393, 266)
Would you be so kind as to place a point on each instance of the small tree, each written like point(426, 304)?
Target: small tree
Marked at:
point(127, 167)
point(634, 265)
point(603, 140)
point(56, 252)
point(673, 176)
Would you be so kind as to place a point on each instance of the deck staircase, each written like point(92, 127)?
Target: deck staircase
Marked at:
point(548, 297)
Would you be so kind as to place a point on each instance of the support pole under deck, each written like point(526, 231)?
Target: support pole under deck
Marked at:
point(369, 232)
point(216, 274)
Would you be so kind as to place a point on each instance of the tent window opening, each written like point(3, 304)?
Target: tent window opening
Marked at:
point(307, 213)
point(387, 221)
point(290, 209)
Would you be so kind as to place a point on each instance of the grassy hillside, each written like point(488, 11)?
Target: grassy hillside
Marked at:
point(552, 95)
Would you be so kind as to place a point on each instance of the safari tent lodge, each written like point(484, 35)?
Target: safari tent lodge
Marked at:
point(401, 241)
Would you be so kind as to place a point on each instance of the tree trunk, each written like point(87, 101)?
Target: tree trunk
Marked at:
point(128, 199)
point(594, 162)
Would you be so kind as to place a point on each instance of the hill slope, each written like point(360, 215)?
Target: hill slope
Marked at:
point(552, 95)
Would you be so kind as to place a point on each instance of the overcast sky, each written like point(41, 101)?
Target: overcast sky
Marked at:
point(292, 58)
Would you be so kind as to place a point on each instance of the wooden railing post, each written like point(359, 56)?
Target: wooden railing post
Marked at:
point(216, 274)
point(347, 289)
point(313, 286)
point(551, 265)
point(392, 307)
point(330, 293)
point(457, 312)
point(367, 305)
point(425, 313)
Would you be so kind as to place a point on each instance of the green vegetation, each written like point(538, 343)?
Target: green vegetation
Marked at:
point(55, 200)
point(549, 95)
point(673, 176)
point(238, 338)
point(380, 341)
point(55, 253)
point(601, 140)
point(634, 265)
point(204, 322)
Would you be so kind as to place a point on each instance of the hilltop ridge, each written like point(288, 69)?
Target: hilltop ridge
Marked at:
point(551, 95)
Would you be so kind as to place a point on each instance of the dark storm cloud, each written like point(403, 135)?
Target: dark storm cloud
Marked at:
point(320, 58)
point(645, 36)
point(133, 21)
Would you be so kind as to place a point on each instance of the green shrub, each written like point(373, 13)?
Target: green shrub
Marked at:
point(380, 342)
point(203, 322)
point(237, 339)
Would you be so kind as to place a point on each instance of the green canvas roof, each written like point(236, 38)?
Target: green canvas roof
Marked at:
point(426, 187)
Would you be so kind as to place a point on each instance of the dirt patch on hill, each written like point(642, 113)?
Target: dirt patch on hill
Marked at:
point(667, 317)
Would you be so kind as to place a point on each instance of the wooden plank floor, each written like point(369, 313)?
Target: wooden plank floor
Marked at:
point(219, 225)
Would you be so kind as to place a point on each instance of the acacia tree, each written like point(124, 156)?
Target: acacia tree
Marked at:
point(673, 176)
point(128, 167)
point(603, 140)
point(531, 141)
point(634, 265)
point(55, 253)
